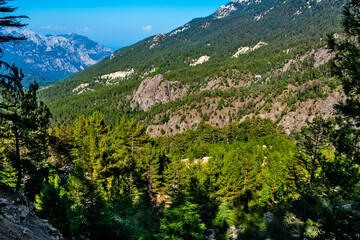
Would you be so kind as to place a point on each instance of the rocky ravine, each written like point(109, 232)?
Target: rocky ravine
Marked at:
point(18, 218)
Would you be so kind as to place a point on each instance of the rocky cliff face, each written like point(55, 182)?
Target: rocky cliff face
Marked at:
point(52, 57)
point(18, 219)
point(292, 119)
point(155, 90)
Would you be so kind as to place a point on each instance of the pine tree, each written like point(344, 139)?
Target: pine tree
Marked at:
point(7, 21)
point(24, 114)
point(311, 157)
point(28, 118)
point(182, 222)
point(7, 172)
point(92, 142)
point(343, 172)
point(150, 168)
point(53, 204)
point(346, 66)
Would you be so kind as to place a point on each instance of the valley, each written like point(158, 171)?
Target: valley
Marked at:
point(243, 124)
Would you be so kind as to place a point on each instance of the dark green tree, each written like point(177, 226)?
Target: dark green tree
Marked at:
point(343, 173)
point(182, 222)
point(7, 172)
point(7, 21)
point(346, 66)
point(311, 157)
point(19, 107)
point(53, 204)
point(26, 117)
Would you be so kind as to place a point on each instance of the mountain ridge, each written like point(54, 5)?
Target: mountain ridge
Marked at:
point(258, 48)
point(208, 34)
point(52, 57)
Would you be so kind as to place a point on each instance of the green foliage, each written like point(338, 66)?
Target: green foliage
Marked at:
point(225, 218)
point(181, 222)
point(165, 119)
point(112, 169)
point(89, 216)
point(54, 204)
point(122, 184)
point(7, 172)
point(311, 157)
point(344, 66)
point(27, 119)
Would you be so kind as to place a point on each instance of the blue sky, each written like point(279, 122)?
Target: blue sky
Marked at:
point(114, 23)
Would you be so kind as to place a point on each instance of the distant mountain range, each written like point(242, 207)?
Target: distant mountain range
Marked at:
point(50, 58)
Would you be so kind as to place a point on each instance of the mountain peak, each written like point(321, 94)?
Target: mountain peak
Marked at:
point(227, 9)
point(52, 56)
point(241, 1)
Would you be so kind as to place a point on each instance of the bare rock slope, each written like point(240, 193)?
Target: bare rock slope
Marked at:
point(18, 218)
point(155, 90)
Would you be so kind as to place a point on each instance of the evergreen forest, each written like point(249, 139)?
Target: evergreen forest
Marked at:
point(95, 177)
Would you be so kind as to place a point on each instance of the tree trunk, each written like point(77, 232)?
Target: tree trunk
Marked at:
point(18, 165)
point(303, 227)
point(132, 146)
point(312, 176)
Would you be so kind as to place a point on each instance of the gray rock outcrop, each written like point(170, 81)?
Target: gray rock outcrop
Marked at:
point(18, 218)
point(154, 90)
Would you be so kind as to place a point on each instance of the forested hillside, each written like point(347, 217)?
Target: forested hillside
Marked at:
point(211, 63)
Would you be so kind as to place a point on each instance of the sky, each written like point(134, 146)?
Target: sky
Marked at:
point(113, 23)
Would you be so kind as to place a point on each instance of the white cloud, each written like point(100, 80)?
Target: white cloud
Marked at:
point(147, 28)
point(54, 27)
point(85, 29)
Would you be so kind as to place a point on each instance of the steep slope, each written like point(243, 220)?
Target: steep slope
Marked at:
point(248, 58)
point(18, 218)
point(240, 23)
point(51, 58)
